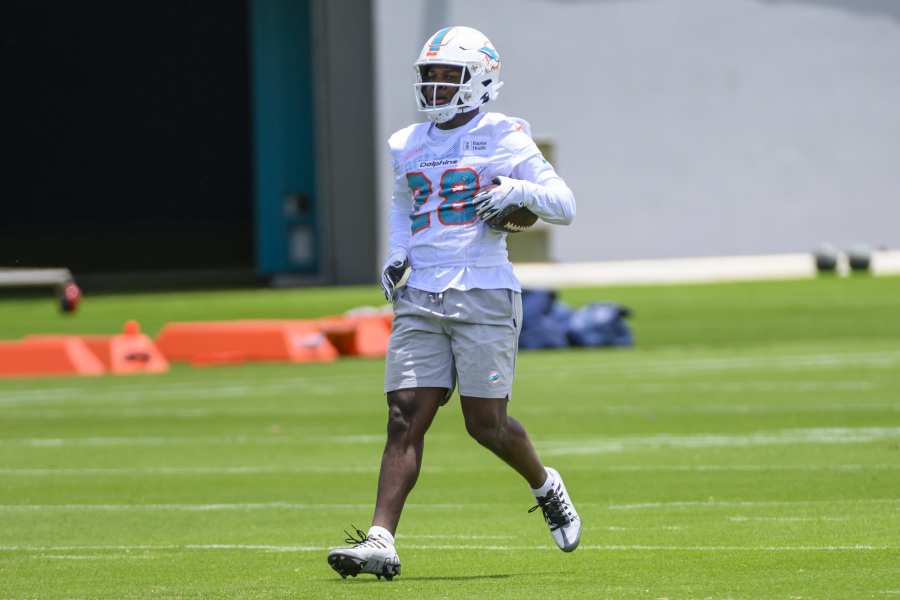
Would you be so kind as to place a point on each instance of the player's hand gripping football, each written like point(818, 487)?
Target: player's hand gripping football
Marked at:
point(496, 202)
point(394, 275)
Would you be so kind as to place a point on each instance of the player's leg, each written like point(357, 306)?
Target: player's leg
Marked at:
point(484, 348)
point(419, 373)
point(488, 423)
point(410, 413)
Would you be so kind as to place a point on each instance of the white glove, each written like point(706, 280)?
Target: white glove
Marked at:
point(394, 274)
point(509, 194)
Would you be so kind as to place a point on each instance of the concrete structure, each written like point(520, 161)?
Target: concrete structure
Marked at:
point(687, 128)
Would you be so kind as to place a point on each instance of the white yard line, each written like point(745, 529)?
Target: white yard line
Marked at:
point(745, 503)
point(729, 408)
point(742, 519)
point(115, 409)
point(324, 384)
point(300, 470)
point(879, 359)
point(736, 386)
point(97, 556)
point(458, 547)
point(821, 435)
point(249, 506)
point(161, 440)
point(129, 471)
point(137, 392)
point(450, 536)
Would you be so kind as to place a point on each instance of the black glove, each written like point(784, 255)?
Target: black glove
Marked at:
point(394, 276)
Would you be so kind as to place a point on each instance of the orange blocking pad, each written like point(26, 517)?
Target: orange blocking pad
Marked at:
point(357, 335)
point(252, 340)
point(59, 355)
point(129, 353)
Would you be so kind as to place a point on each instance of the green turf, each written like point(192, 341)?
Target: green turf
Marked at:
point(748, 447)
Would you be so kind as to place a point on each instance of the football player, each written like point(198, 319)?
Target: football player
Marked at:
point(457, 303)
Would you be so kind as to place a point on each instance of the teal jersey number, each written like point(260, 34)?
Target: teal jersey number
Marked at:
point(420, 186)
point(458, 187)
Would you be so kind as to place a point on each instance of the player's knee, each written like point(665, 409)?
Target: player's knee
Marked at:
point(398, 423)
point(400, 413)
point(487, 431)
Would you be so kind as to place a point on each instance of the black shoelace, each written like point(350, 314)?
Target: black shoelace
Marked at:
point(554, 509)
point(363, 538)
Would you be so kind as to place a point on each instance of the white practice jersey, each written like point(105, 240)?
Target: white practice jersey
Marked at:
point(437, 173)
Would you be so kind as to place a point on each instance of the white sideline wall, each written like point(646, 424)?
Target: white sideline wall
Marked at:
point(689, 270)
point(687, 128)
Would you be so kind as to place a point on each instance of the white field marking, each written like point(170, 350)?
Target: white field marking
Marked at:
point(138, 392)
point(449, 536)
point(307, 469)
point(117, 412)
point(715, 409)
point(730, 468)
point(820, 435)
point(605, 409)
point(833, 435)
point(742, 503)
point(83, 548)
point(741, 519)
point(882, 359)
point(252, 470)
point(464, 547)
point(247, 506)
point(736, 386)
point(239, 388)
point(159, 440)
point(214, 507)
point(97, 556)
point(662, 528)
point(115, 408)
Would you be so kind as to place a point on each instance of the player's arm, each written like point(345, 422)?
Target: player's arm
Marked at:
point(543, 191)
point(395, 270)
point(398, 218)
point(532, 183)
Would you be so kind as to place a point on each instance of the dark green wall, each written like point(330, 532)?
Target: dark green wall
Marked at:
point(126, 135)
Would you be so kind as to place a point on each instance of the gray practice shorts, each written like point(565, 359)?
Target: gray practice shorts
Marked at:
point(469, 335)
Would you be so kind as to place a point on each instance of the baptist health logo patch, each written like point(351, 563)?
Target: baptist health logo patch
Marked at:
point(475, 144)
point(493, 377)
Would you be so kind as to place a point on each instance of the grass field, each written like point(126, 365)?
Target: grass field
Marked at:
point(748, 447)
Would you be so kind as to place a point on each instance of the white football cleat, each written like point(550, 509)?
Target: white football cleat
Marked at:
point(560, 514)
point(371, 553)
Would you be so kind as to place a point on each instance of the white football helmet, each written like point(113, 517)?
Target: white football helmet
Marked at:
point(480, 67)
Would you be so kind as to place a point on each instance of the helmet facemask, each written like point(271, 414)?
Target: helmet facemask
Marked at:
point(427, 93)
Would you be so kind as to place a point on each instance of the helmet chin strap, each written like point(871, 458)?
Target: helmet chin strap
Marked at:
point(441, 116)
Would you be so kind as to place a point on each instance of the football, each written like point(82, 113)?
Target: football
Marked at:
point(513, 221)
